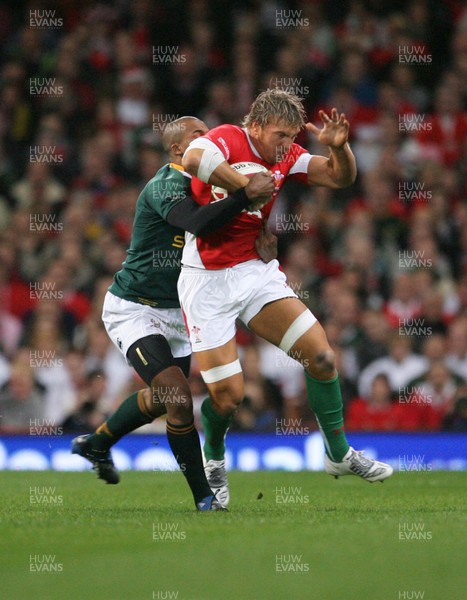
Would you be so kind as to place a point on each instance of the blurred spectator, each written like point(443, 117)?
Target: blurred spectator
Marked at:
point(88, 414)
point(38, 190)
point(263, 399)
point(456, 358)
point(22, 400)
point(438, 387)
point(10, 333)
point(400, 366)
point(102, 355)
point(375, 337)
point(448, 129)
point(456, 419)
point(380, 411)
point(404, 303)
point(287, 374)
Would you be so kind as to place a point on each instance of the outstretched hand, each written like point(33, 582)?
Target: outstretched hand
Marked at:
point(335, 131)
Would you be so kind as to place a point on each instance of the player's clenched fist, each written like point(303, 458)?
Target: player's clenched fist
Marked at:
point(260, 189)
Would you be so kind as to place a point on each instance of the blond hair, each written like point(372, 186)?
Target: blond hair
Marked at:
point(274, 105)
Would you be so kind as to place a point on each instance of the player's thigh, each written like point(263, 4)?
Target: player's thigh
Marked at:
point(150, 339)
point(150, 356)
point(274, 319)
point(221, 371)
point(308, 344)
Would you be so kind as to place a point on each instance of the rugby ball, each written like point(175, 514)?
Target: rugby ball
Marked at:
point(245, 168)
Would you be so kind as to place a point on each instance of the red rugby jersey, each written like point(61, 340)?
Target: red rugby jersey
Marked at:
point(235, 242)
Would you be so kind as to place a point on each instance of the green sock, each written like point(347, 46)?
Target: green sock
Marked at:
point(325, 399)
point(215, 430)
point(184, 442)
point(130, 415)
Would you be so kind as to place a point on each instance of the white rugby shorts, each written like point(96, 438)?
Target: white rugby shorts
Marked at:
point(212, 300)
point(126, 322)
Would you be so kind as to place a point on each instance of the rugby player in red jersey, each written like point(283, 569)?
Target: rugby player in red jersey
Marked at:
point(223, 278)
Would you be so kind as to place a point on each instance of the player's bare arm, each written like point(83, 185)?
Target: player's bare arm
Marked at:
point(340, 169)
point(223, 175)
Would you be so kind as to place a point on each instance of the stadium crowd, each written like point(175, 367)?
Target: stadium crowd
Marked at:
point(86, 90)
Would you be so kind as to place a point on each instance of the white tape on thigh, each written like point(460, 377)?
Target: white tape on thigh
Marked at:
point(209, 162)
point(217, 373)
point(296, 330)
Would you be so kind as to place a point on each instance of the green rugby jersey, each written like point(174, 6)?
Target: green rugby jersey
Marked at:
point(150, 272)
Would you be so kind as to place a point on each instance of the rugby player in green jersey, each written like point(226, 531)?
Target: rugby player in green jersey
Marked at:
point(143, 317)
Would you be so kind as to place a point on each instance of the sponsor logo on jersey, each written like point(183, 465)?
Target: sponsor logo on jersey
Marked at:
point(224, 145)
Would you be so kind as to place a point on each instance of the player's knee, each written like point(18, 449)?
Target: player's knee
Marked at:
point(225, 384)
point(170, 388)
point(152, 406)
point(178, 402)
point(226, 397)
point(180, 407)
point(323, 364)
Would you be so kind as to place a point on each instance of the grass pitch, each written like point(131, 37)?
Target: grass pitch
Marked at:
point(288, 536)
